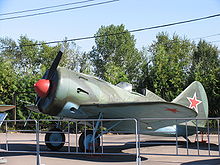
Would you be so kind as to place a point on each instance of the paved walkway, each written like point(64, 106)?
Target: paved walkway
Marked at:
point(165, 149)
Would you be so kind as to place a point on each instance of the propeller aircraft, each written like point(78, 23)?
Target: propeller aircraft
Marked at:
point(67, 94)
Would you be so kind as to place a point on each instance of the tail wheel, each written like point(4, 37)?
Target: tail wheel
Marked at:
point(55, 139)
point(86, 143)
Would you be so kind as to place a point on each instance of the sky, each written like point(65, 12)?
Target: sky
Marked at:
point(134, 14)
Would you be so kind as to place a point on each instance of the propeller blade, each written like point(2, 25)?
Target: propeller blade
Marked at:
point(43, 85)
point(55, 64)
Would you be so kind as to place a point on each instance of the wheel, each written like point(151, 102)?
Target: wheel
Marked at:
point(85, 142)
point(55, 139)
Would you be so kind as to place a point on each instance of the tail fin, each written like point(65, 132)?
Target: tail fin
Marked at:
point(194, 97)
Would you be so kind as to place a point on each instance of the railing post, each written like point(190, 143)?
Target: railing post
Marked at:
point(102, 136)
point(68, 136)
point(76, 137)
point(37, 141)
point(85, 138)
point(6, 135)
point(137, 138)
point(218, 138)
point(208, 138)
point(187, 142)
point(197, 136)
point(177, 139)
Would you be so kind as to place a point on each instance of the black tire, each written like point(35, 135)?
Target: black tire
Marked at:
point(56, 136)
point(89, 148)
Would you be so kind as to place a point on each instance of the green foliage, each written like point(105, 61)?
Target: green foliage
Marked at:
point(145, 79)
point(206, 69)
point(171, 59)
point(115, 74)
point(23, 63)
point(8, 81)
point(75, 60)
point(116, 53)
point(177, 62)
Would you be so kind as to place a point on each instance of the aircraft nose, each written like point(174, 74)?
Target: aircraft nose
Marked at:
point(42, 87)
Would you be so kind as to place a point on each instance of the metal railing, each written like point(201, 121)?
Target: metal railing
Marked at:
point(72, 148)
point(72, 129)
point(190, 129)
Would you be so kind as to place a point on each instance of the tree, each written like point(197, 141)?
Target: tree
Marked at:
point(171, 59)
point(206, 69)
point(74, 59)
point(8, 82)
point(114, 56)
point(146, 79)
point(32, 57)
point(24, 62)
point(27, 56)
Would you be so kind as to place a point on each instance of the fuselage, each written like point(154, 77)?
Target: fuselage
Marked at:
point(69, 90)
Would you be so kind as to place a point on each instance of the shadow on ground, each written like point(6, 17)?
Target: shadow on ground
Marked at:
point(113, 149)
point(113, 157)
point(181, 144)
point(204, 162)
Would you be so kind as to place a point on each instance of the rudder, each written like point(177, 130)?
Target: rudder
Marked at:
point(194, 97)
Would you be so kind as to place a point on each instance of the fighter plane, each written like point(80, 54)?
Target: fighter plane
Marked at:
point(68, 94)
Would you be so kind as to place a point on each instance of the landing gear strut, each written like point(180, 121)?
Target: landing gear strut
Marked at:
point(88, 143)
point(89, 140)
point(55, 139)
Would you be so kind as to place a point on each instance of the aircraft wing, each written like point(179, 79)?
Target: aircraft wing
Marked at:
point(142, 110)
point(4, 108)
point(2, 118)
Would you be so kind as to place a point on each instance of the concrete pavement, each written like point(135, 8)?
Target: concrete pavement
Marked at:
point(155, 151)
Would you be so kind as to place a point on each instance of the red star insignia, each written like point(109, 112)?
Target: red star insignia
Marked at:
point(194, 102)
point(172, 110)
